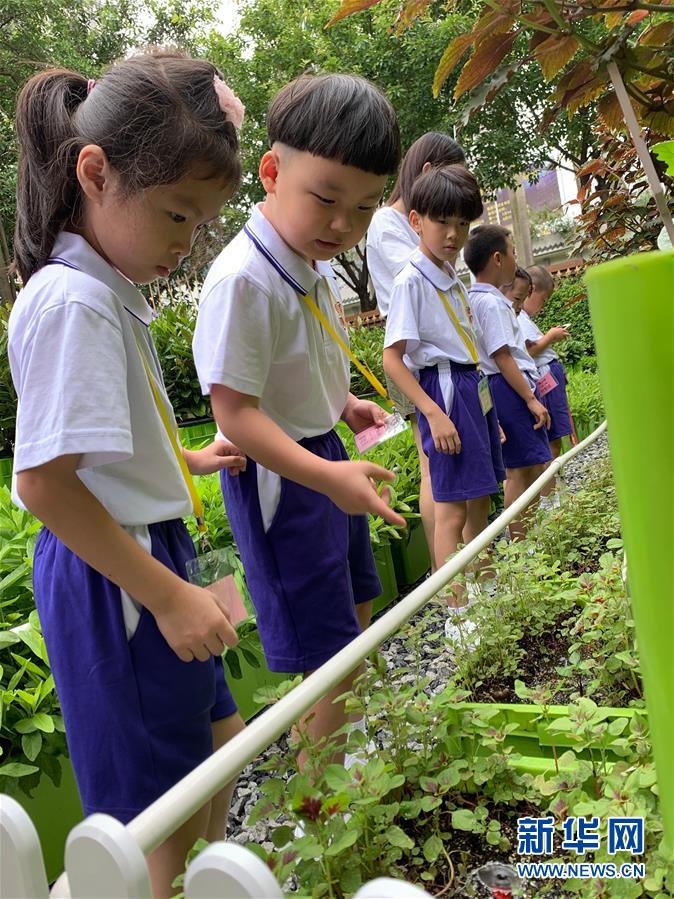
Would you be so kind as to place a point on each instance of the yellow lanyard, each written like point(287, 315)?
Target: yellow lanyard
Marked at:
point(470, 344)
point(362, 368)
point(172, 435)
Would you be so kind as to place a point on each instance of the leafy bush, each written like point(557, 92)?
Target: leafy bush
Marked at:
point(368, 347)
point(172, 332)
point(568, 304)
point(585, 399)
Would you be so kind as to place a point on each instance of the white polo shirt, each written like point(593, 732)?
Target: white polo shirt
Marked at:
point(532, 334)
point(391, 240)
point(497, 326)
point(256, 335)
point(418, 316)
point(82, 388)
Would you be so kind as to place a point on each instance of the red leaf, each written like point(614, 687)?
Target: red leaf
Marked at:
point(484, 60)
point(555, 52)
point(450, 59)
point(349, 7)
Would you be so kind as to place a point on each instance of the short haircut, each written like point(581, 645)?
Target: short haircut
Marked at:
point(340, 117)
point(435, 147)
point(541, 278)
point(523, 274)
point(482, 243)
point(451, 190)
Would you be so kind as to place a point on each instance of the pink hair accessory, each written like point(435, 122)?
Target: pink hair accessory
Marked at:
point(229, 103)
point(90, 85)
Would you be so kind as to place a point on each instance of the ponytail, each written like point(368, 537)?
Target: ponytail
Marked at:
point(48, 193)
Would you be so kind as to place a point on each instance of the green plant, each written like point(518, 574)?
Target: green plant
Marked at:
point(568, 305)
point(172, 333)
point(585, 399)
point(368, 347)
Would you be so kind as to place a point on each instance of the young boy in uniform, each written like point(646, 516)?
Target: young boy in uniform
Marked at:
point(490, 256)
point(279, 381)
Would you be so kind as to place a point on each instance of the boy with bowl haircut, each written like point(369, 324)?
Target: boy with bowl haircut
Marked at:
point(279, 381)
point(430, 352)
point(490, 256)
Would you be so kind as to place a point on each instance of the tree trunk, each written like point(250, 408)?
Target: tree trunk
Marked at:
point(7, 288)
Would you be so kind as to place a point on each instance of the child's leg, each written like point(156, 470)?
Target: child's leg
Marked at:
point(450, 519)
point(168, 860)
point(477, 516)
point(426, 503)
point(555, 449)
point(223, 731)
point(518, 480)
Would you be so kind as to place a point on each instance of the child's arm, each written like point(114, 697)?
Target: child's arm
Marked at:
point(217, 455)
point(192, 620)
point(514, 377)
point(360, 414)
point(348, 484)
point(554, 335)
point(445, 435)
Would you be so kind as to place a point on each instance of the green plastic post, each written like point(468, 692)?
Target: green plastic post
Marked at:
point(632, 307)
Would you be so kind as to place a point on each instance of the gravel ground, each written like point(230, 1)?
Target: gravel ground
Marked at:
point(436, 665)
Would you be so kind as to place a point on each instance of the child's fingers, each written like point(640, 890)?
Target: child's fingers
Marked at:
point(381, 507)
point(378, 473)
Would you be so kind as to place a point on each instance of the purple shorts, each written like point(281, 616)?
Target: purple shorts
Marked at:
point(308, 570)
point(137, 718)
point(478, 468)
point(523, 446)
point(557, 404)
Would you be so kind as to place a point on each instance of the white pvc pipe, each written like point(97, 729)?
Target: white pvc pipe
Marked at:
point(157, 822)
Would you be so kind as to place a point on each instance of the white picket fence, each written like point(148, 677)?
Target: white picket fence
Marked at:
point(107, 860)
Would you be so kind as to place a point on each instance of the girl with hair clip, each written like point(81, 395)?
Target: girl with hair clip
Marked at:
point(391, 240)
point(115, 179)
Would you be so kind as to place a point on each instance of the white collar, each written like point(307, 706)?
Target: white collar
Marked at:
point(286, 261)
point(72, 249)
point(441, 278)
point(481, 287)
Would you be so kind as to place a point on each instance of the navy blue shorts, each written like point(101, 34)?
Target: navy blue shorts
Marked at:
point(478, 468)
point(137, 718)
point(523, 446)
point(557, 404)
point(308, 571)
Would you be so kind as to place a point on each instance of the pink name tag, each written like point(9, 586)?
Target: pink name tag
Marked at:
point(370, 437)
point(545, 384)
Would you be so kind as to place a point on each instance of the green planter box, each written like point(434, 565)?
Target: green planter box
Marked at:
point(383, 558)
point(196, 435)
point(54, 811)
point(6, 471)
point(532, 737)
point(252, 679)
point(411, 558)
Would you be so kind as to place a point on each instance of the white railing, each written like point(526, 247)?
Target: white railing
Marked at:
point(107, 859)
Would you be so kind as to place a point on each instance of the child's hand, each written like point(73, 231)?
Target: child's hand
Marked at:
point(539, 412)
point(362, 414)
point(445, 436)
point(556, 335)
point(214, 457)
point(501, 434)
point(352, 488)
point(195, 623)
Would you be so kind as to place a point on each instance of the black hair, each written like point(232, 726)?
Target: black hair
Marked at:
point(435, 147)
point(482, 243)
point(451, 190)
point(155, 115)
point(523, 275)
point(340, 117)
point(541, 278)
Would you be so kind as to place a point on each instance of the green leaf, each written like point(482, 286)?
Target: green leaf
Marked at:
point(281, 836)
point(337, 777)
point(347, 839)
point(31, 745)
point(665, 153)
point(432, 848)
point(464, 819)
point(43, 722)
point(397, 837)
point(16, 769)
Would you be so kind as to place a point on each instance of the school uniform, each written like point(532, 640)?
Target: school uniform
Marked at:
point(391, 240)
point(447, 371)
point(137, 718)
point(555, 400)
point(493, 313)
point(307, 563)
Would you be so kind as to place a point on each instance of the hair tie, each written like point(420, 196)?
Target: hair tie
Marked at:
point(228, 102)
point(90, 85)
